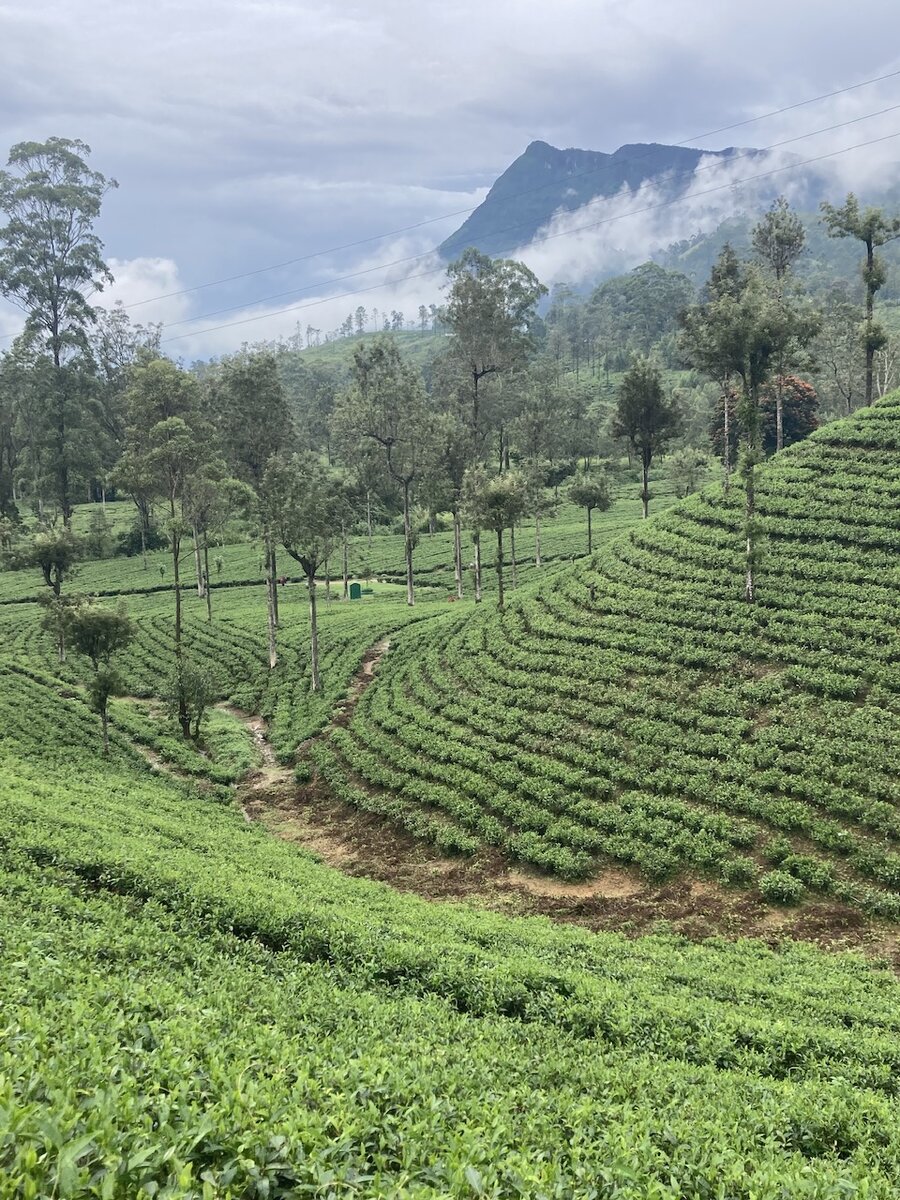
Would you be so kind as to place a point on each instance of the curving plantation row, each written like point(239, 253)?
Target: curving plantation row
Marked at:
point(193, 1009)
point(636, 708)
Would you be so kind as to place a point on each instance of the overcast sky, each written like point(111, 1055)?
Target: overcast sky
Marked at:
point(247, 132)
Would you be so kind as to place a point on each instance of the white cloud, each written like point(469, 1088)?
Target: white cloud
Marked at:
point(145, 286)
point(247, 132)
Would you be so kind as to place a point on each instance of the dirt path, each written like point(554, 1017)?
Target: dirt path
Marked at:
point(363, 845)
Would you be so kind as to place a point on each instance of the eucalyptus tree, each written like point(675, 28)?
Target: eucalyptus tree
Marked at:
point(490, 314)
point(490, 311)
point(50, 264)
point(168, 443)
point(646, 418)
point(738, 332)
point(116, 347)
point(874, 229)
point(298, 496)
point(249, 404)
point(778, 241)
point(385, 405)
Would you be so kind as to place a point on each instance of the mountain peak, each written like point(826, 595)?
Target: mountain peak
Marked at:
point(545, 179)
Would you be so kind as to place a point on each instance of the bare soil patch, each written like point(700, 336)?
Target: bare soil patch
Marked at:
point(363, 845)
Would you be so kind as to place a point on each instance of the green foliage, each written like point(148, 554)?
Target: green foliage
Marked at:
point(190, 690)
point(635, 710)
point(781, 888)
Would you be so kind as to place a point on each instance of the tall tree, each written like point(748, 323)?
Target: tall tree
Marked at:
point(385, 404)
point(50, 263)
point(490, 314)
point(491, 308)
point(250, 406)
point(298, 497)
point(738, 332)
point(645, 417)
point(168, 443)
point(871, 227)
point(778, 240)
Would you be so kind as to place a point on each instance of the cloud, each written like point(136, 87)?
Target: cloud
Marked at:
point(145, 286)
point(249, 132)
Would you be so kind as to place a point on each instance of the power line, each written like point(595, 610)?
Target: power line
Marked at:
point(647, 183)
point(466, 211)
point(548, 238)
point(697, 137)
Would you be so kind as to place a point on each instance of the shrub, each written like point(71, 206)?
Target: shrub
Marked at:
point(739, 872)
point(781, 888)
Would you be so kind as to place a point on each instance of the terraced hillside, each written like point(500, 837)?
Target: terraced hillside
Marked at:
point(192, 1009)
point(635, 708)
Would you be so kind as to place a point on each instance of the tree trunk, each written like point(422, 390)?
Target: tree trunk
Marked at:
point(750, 420)
point(184, 719)
point(645, 486)
point(726, 457)
point(344, 561)
point(512, 555)
point(104, 721)
point(749, 511)
point(313, 632)
point(870, 321)
point(197, 564)
point(273, 567)
point(476, 538)
point(537, 539)
point(60, 432)
point(500, 568)
point(457, 554)
point(408, 549)
point(779, 410)
point(271, 613)
point(369, 518)
point(591, 534)
point(206, 587)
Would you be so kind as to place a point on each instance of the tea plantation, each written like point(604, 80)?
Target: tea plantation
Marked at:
point(190, 1007)
point(634, 707)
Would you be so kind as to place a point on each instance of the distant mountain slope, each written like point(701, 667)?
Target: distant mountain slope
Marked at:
point(544, 180)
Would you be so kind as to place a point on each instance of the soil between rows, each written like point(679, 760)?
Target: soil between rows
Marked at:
point(365, 846)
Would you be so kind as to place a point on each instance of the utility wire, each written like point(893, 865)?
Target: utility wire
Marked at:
point(697, 137)
point(734, 185)
point(465, 211)
point(646, 184)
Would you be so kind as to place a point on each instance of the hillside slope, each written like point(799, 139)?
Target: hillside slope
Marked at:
point(193, 1009)
point(637, 709)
